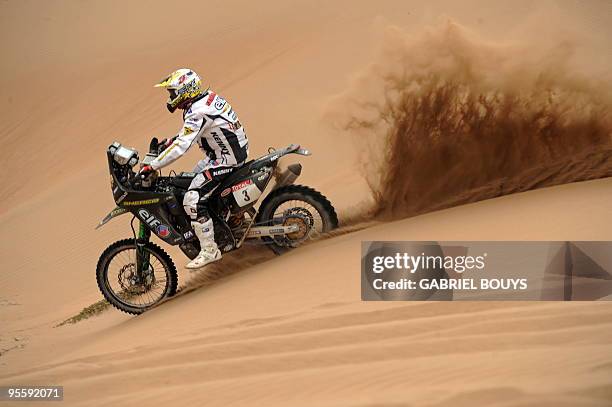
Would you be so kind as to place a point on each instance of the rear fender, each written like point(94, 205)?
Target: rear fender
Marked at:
point(112, 214)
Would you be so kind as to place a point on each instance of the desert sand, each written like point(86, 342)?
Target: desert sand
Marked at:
point(287, 330)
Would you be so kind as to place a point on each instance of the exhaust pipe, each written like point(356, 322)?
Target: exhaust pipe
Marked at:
point(289, 176)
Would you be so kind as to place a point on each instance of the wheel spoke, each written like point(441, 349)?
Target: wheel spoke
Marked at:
point(318, 226)
point(127, 288)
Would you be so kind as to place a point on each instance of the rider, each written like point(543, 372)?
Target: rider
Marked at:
point(210, 121)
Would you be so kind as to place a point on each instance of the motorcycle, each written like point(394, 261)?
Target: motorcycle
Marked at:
point(134, 274)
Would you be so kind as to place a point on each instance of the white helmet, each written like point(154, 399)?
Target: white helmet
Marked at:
point(184, 86)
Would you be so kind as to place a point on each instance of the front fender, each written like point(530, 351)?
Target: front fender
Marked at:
point(112, 214)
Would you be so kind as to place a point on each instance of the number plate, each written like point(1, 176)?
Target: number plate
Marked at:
point(246, 193)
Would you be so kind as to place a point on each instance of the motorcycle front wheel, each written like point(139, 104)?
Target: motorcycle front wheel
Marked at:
point(125, 286)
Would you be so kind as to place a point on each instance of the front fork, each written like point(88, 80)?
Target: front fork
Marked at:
point(142, 254)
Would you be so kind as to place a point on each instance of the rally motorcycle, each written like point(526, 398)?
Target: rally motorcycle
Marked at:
point(135, 274)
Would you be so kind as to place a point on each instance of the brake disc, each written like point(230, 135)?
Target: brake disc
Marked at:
point(303, 219)
point(129, 282)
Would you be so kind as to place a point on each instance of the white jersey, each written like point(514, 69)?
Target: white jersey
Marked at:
point(213, 124)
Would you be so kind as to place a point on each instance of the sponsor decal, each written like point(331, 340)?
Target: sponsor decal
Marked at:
point(226, 191)
point(222, 171)
point(142, 202)
point(118, 211)
point(276, 230)
point(122, 197)
point(188, 235)
point(211, 97)
point(163, 231)
point(224, 150)
point(149, 219)
point(189, 89)
point(246, 192)
point(187, 130)
point(182, 79)
point(219, 103)
point(233, 116)
point(262, 177)
point(242, 185)
point(274, 157)
point(234, 126)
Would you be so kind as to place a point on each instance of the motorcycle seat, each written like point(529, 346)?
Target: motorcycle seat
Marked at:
point(183, 180)
point(245, 170)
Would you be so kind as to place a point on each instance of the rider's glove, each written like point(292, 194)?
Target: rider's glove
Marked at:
point(146, 170)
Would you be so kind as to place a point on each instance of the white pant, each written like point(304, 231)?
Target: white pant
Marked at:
point(192, 196)
point(207, 173)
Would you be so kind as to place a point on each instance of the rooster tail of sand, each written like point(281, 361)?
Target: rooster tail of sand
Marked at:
point(444, 117)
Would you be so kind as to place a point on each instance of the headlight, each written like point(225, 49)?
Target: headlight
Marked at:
point(123, 155)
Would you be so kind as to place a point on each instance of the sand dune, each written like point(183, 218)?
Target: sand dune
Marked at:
point(287, 330)
point(284, 332)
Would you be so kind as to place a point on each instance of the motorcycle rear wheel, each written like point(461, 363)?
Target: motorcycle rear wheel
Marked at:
point(116, 277)
point(298, 201)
